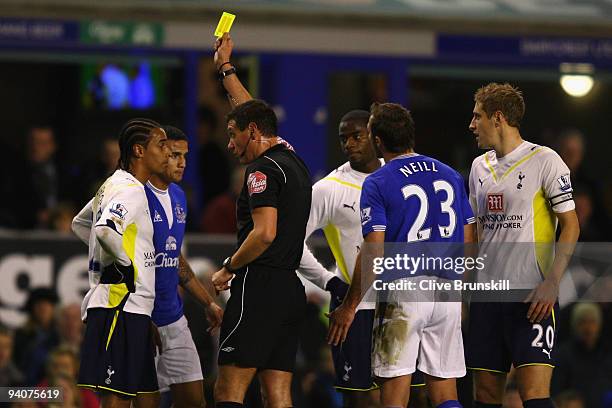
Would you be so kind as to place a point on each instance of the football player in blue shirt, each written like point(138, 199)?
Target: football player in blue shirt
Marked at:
point(412, 198)
point(178, 366)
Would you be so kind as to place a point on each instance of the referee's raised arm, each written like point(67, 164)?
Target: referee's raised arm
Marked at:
point(226, 71)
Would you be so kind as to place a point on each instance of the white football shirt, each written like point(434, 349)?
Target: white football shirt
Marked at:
point(515, 199)
point(335, 210)
point(122, 201)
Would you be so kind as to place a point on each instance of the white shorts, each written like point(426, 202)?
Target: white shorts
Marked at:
point(179, 362)
point(427, 332)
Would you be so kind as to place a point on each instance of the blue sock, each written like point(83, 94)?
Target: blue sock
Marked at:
point(450, 404)
point(539, 403)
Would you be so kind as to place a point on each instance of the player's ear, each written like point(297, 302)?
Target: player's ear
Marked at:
point(252, 129)
point(138, 151)
point(497, 118)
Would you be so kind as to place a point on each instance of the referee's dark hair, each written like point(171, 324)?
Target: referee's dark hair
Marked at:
point(135, 131)
point(358, 115)
point(174, 133)
point(394, 125)
point(258, 112)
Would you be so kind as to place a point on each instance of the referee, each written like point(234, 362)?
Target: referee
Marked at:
point(259, 333)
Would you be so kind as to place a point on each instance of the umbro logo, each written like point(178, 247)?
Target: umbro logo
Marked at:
point(228, 349)
point(157, 217)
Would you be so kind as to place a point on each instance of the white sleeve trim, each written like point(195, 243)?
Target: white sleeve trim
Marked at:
point(281, 169)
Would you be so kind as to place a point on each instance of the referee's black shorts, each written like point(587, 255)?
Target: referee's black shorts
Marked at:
point(117, 353)
point(262, 319)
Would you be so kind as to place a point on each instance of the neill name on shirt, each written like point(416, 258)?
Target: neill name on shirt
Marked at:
point(417, 167)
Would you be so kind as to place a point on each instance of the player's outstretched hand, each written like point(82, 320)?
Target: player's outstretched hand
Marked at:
point(542, 299)
point(221, 278)
point(214, 316)
point(223, 50)
point(340, 321)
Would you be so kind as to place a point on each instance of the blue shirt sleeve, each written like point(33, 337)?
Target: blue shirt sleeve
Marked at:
point(373, 214)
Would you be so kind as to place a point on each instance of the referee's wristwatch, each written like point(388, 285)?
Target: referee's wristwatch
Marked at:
point(227, 263)
point(226, 73)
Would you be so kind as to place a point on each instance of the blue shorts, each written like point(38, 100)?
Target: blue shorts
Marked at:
point(500, 336)
point(117, 353)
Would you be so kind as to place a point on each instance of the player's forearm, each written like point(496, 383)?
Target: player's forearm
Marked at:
point(112, 242)
point(564, 250)
point(236, 92)
point(311, 269)
point(191, 284)
point(253, 246)
point(354, 294)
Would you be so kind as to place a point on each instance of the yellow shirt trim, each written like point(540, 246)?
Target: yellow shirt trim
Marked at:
point(332, 234)
point(345, 183)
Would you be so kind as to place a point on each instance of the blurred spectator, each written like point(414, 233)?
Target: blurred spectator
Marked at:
point(60, 219)
point(219, 216)
point(572, 149)
point(212, 158)
point(569, 399)
point(62, 370)
point(40, 180)
point(70, 327)
point(584, 210)
point(104, 166)
point(8, 187)
point(38, 336)
point(584, 362)
point(10, 376)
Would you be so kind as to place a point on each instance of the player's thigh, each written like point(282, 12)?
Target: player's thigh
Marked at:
point(179, 363)
point(489, 386)
point(188, 395)
point(441, 351)
point(531, 343)
point(233, 382)
point(396, 337)
point(486, 347)
point(276, 388)
point(534, 381)
point(353, 358)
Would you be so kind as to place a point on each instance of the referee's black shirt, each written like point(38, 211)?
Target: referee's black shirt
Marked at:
point(278, 178)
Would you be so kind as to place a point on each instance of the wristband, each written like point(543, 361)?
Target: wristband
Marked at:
point(224, 74)
point(225, 63)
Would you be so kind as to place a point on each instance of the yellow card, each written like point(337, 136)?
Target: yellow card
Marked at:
point(225, 24)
